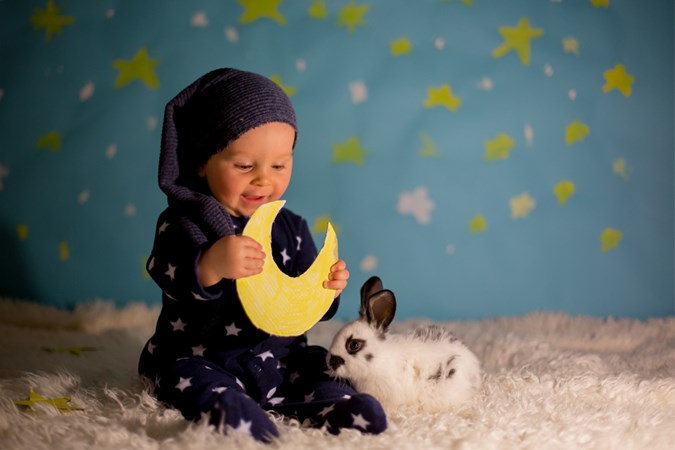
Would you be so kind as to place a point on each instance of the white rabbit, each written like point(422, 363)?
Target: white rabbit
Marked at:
point(428, 369)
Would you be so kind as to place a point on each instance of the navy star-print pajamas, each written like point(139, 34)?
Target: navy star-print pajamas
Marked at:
point(208, 360)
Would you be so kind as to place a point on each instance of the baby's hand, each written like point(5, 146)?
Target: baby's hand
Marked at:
point(231, 257)
point(337, 278)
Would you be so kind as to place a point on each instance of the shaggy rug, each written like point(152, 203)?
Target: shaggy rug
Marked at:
point(551, 381)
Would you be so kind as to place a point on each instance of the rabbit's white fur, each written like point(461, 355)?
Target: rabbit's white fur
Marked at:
point(428, 369)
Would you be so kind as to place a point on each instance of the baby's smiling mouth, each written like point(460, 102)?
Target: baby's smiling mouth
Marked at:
point(254, 198)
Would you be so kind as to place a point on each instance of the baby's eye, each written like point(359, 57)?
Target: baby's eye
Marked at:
point(279, 167)
point(243, 166)
point(354, 345)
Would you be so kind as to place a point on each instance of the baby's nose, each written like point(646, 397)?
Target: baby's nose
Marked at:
point(335, 361)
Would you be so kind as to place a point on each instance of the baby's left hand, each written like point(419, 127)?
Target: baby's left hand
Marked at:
point(337, 278)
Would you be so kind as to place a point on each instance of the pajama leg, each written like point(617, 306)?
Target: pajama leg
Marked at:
point(199, 389)
point(336, 406)
point(313, 397)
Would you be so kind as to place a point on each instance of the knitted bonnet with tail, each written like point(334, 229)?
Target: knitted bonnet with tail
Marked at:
point(201, 121)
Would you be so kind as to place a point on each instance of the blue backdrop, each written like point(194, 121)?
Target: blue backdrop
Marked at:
point(483, 157)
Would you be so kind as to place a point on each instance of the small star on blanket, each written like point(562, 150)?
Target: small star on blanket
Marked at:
point(62, 403)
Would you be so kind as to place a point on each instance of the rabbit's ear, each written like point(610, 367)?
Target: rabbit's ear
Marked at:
point(381, 309)
point(370, 287)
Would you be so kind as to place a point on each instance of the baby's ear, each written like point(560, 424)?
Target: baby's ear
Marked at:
point(381, 309)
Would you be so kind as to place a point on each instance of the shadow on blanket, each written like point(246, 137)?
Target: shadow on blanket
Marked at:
point(550, 381)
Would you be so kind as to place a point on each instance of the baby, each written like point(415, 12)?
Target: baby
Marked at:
point(227, 147)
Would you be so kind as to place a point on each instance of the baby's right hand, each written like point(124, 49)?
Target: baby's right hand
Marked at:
point(230, 257)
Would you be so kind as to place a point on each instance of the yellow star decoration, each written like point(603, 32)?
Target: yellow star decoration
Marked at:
point(350, 151)
point(64, 251)
point(521, 205)
point(352, 15)
point(321, 224)
point(51, 141)
point(620, 168)
point(318, 10)
point(258, 9)
point(50, 20)
point(563, 191)
point(290, 91)
point(609, 239)
point(76, 351)
point(429, 146)
point(442, 96)
point(400, 46)
point(140, 67)
point(599, 3)
point(499, 148)
point(478, 224)
point(575, 132)
point(22, 231)
point(618, 78)
point(518, 38)
point(571, 45)
point(62, 403)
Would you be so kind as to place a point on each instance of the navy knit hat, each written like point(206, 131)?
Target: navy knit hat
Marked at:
point(201, 121)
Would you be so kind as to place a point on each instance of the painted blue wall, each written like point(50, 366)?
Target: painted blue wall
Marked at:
point(482, 157)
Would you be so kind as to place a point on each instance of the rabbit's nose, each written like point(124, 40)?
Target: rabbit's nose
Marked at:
point(335, 361)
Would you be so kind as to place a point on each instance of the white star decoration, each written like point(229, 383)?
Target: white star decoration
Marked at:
point(198, 350)
point(171, 272)
point(199, 19)
point(178, 325)
point(276, 401)
point(359, 92)
point(219, 389)
point(232, 329)
point(265, 355)
point(244, 426)
point(151, 347)
point(240, 383)
point(416, 203)
point(183, 383)
point(162, 228)
point(360, 422)
point(529, 134)
point(285, 256)
point(271, 392)
point(299, 239)
point(197, 296)
point(151, 264)
point(324, 412)
point(309, 397)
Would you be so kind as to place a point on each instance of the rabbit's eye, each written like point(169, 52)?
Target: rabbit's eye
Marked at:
point(354, 345)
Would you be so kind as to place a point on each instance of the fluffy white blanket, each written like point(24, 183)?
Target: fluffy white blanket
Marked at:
point(550, 381)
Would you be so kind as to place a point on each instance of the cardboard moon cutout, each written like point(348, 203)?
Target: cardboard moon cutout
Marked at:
point(275, 302)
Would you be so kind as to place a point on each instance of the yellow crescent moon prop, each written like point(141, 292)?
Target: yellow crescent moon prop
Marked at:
point(279, 304)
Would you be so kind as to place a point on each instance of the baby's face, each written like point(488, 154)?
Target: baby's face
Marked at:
point(253, 170)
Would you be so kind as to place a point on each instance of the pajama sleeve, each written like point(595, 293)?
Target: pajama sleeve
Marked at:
point(173, 261)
